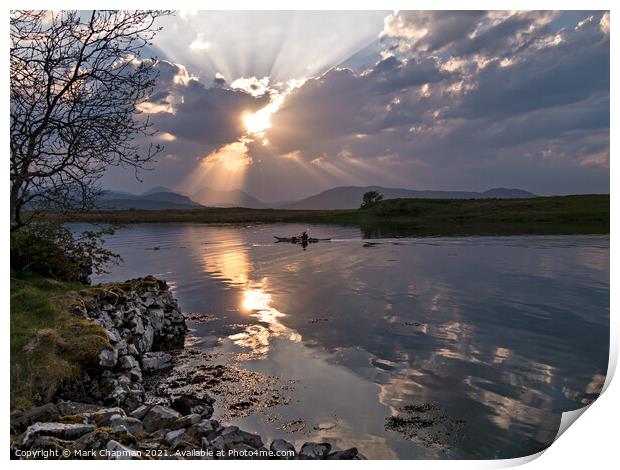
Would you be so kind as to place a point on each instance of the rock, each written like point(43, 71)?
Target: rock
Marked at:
point(156, 317)
point(139, 315)
point(108, 357)
point(119, 394)
point(186, 421)
point(128, 362)
point(140, 411)
point(117, 451)
point(173, 435)
point(156, 361)
point(283, 448)
point(113, 336)
point(159, 417)
point(184, 404)
point(207, 428)
point(119, 429)
point(232, 436)
point(314, 451)
point(95, 440)
point(124, 380)
point(135, 374)
point(45, 413)
point(146, 341)
point(349, 454)
point(58, 430)
point(132, 425)
point(103, 416)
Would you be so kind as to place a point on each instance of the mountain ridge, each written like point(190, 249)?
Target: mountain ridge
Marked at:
point(227, 198)
point(350, 197)
point(154, 199)
point(339, 197)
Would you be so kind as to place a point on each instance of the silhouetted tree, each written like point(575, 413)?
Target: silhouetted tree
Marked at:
point(370, 199)
point(77, 80)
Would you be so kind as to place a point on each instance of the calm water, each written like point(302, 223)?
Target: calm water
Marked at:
point(503, 333)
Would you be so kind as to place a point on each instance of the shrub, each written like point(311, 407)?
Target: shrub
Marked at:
point(54, 251)
point(370, 199)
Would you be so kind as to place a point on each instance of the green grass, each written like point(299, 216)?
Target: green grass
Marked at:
point(49, 344)
point(580, 214)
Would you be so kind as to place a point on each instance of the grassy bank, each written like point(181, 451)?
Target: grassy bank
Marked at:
point(49, 344)
point(582, 214)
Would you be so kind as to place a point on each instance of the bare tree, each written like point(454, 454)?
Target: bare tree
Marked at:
point(77, 82)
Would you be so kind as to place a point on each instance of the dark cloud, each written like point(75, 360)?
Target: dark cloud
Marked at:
point(430, 31)
point(343, 103)
point(187, 109)
point(548, 96)
point(392, 74)
point(555, 75)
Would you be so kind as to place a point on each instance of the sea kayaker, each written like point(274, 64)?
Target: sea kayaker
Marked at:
point(304, 237)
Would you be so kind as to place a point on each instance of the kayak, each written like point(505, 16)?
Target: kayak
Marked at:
point(298, 239)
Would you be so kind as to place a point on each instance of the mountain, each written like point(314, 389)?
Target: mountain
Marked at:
point(350, 197)
point(151, 200)
point(157, 189)
point(234, 198)
point(507, 193)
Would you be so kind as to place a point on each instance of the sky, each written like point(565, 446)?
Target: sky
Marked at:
point(287, 104)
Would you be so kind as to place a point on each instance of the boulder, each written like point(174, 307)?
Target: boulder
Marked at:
point(173, 435)
point(140, 411)
point(57, 430)
point(314, 451)
point(108, 357)
point(132, 425)
point(159, 417)
point(156, 361)
point(128, 362)
point(207, 428)
point(186, 421)
point(95, 440)
point(45, 413)
point(283, 447)
point(232, 435)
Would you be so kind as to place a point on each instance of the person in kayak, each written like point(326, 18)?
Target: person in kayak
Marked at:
point(304, 237)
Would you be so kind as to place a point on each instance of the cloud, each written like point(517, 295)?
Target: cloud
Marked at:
point(200, 44)
point(252, 85)
point(461, 33)
point(485, 92)
point(454, 100)
point(183, 106)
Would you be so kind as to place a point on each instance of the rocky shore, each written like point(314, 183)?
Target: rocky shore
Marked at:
point(107, 414)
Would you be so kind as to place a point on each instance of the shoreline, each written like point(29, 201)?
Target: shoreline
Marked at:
point(107, 414)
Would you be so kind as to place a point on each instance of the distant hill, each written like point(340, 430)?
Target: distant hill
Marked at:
point(234, 198)
point(157, 189)
point(154, 199)
point(507, 193)
point(350, 197)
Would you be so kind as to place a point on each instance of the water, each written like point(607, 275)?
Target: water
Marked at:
point(501, 334)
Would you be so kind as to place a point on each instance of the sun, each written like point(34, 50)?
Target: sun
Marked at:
point(257, 122)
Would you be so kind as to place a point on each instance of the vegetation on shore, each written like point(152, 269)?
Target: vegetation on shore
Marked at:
point(49, 344)
point(579, 214)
